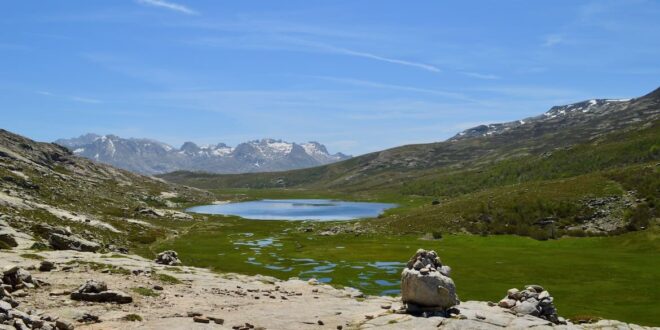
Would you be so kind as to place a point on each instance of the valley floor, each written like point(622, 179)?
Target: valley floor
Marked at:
point(261, 301)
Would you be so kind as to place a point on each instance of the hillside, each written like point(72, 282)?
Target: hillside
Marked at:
point(45, 184)
point(148, 156)
point(585, 168)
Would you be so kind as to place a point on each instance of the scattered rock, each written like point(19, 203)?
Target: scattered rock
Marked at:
point(170, 258)
point(426, 285)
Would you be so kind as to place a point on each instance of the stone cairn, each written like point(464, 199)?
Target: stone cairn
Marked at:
point(426, 286)
point(13, 283)
point(534, 300)
point(169, 257)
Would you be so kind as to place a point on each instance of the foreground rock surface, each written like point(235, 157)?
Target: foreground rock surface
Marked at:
point(230, 300)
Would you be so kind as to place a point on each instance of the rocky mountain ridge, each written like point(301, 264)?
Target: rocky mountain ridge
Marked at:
point(150, 157)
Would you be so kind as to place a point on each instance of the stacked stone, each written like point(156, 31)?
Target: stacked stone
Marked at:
point(14, 280)
point(170, 258)
point(534, 300)
point(426, 285)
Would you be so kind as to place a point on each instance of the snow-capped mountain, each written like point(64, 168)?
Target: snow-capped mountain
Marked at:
point(558, 114)
point(153, 157)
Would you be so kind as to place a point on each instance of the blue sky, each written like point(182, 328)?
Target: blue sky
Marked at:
point(356, 75)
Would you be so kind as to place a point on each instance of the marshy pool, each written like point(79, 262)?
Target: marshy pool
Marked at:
point(297, 209)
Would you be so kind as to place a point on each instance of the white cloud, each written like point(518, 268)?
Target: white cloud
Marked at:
point(70, 98)
point(481, 75)
point(552, 40)
point(350, 52)
point(168, 5)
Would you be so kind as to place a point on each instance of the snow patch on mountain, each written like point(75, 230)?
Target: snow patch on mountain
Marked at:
point(153, 157)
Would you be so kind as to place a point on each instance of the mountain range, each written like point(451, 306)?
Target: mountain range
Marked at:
point(560, 128)
point(148, 156)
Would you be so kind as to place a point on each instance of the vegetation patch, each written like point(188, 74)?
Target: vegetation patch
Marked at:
point(32, 256)
point(132, 318)
point(147, 292)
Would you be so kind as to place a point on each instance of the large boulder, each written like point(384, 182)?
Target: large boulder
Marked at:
point(7, 239)
point(170, 258)
point(72, 242)
point(426, 285)
point(97, 291)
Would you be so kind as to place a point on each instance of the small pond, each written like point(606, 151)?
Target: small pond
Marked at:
point(296, 209)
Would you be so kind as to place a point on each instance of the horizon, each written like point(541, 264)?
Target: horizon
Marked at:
point(354, 77)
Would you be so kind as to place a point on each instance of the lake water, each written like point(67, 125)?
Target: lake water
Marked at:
point(296, 209)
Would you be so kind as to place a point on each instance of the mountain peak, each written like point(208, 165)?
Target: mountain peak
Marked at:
point(153, 157)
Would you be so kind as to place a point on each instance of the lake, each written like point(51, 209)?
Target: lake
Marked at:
point(296, 209)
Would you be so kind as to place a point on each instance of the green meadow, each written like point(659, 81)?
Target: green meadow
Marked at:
point(611, 277)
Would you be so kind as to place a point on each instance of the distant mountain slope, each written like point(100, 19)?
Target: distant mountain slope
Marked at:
point(43, 183)
point(152, 157)
point(559, 128)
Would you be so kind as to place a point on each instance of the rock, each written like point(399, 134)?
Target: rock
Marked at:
point(158, 288)
point(507, 303)
point(170, 258)
point(93, 286)
point(72, 242)
point(201, 319)
point(527, 307)
point(64, 325)
point(534, 287)
point(97, 291)
point(105, 296)
point(426, 287)
point(5, 307)
point(46, 266)
point(216, 320)
point(7, 238)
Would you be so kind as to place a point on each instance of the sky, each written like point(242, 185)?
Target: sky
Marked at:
point(358, 76)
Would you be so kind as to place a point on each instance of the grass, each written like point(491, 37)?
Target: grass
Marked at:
point(609, 277)
point(97, 266)
point(167, 279)
point(32, 256)
point(132, 318)
point(147, 292)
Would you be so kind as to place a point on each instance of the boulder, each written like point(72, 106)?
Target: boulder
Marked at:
point(425, 283)
point(46, 266)
point(72, 242)
point(170, 258)
point(7, 239)
point(97, 291)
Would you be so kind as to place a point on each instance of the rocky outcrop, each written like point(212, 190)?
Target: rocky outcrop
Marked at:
point(72, 242)
point(169, 257)
point(12, 284)
point(96, 291)
point(534, 300)
point(426, 285)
